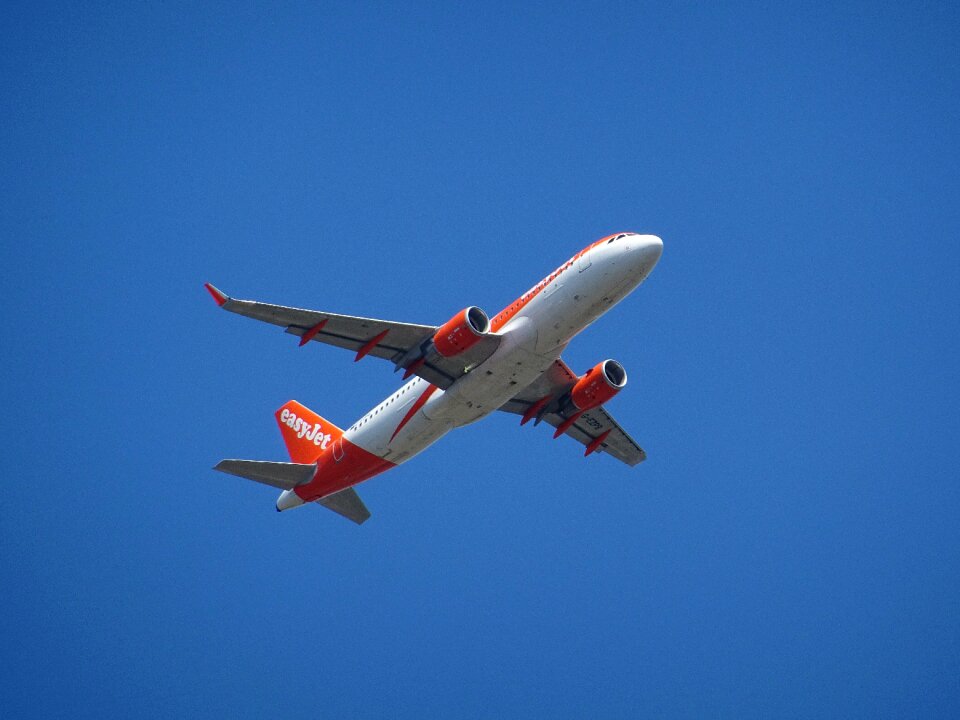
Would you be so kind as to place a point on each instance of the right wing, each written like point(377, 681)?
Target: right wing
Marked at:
point(595, 428)
point(400, 343)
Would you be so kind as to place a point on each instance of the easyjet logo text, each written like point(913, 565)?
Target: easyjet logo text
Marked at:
point(304, 429)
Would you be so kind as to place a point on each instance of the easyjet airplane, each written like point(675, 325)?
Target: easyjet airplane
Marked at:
point(461, 371)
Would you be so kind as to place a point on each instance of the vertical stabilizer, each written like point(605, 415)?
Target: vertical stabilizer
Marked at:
point(305, 433)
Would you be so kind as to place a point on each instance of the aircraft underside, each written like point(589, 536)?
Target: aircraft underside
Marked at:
point(465, 370)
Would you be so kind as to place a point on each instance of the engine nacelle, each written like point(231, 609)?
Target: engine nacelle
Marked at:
point(598, 385)
point(461, 332)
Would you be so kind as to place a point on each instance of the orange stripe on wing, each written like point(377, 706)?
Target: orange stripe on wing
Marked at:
point(312, 332)
point(371, 344)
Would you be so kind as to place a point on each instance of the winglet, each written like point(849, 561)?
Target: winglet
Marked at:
point(217, 295)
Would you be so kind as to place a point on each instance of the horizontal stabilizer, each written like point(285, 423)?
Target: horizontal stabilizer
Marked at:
point(305, 433)
point(284, 476)
point(346, 503)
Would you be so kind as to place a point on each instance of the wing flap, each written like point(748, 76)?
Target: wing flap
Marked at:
point(555, 382)
point(594, 423)
point(345, 331)
point(394, 341)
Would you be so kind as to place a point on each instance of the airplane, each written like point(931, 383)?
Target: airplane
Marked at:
point(456, 374)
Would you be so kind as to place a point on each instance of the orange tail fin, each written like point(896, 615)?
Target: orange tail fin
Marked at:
point(305, 433)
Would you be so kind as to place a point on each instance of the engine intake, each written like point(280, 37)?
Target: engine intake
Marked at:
point(598, 385)
point(461, 332)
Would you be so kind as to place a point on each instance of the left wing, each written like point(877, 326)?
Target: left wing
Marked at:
point(403, 344)
point(594, 428)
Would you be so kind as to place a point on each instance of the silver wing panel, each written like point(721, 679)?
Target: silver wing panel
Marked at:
point(281, 475)
point(399, 343)
point(345, 331)
point(347, 503)
point(556, 381)
point(618, 443)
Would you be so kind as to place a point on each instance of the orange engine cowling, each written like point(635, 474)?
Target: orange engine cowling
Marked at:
point(598, 385)
point(461, 332)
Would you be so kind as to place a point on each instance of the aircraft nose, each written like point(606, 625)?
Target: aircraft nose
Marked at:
point(647, 250)
point(651, 246)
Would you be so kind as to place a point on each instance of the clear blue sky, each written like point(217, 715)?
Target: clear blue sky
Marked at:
point(790, 549)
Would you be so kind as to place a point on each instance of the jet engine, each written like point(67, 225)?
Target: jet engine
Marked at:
point(598, 385)
point(461, 332)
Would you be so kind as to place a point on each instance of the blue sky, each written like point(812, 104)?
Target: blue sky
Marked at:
point(790, 549)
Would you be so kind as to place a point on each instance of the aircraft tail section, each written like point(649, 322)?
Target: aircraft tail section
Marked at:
point(307, 436)
point(281, 475)
point(305, 433)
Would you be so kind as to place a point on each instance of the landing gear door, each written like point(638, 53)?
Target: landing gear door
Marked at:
point(338, 450)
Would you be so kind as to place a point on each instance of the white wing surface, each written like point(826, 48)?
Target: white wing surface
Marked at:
point(398, 342)
point(595, 428)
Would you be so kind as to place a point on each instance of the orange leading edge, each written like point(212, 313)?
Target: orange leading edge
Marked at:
point(461, 371)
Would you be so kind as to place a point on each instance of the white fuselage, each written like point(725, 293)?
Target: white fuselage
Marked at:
point(535, 330)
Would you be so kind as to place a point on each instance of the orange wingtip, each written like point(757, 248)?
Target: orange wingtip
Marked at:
point(217, 295)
